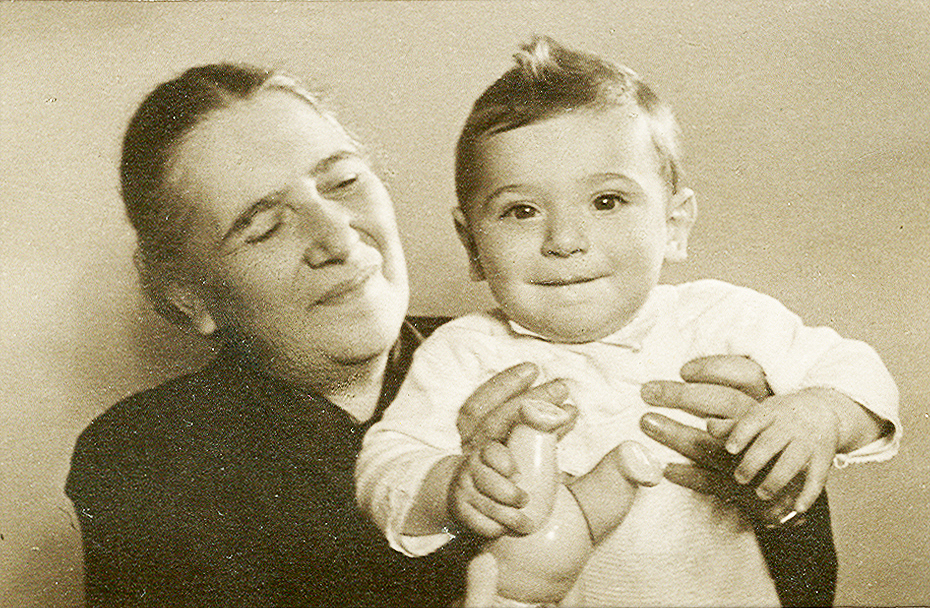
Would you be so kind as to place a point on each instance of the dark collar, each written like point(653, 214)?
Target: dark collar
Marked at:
point(309, 425)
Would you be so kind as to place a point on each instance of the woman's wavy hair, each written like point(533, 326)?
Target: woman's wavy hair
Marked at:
point(164, 117)
point(549, 79)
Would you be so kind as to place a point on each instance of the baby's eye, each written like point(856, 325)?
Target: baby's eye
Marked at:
point(521, 212)
point(607, 202)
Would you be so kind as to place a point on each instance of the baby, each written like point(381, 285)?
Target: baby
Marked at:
point(570, 199)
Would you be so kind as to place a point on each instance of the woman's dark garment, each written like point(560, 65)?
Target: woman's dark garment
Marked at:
point(223, 488)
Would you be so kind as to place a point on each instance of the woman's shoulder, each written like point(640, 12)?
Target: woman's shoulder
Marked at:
point(161, 402)
point(171, 418)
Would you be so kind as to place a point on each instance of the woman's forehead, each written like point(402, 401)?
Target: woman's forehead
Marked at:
point(253, 147)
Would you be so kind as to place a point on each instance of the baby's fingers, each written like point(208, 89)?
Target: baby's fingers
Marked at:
point(747, 428)
point(471, 518)
point(483, 515)
point(720, 427)
point(817, 472)
point(791, 462)
point(763, 449)
point(491, 481)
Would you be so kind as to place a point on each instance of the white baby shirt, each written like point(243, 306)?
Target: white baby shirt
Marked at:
point(675, 547)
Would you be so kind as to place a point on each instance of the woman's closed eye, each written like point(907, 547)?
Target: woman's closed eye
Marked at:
point(342, 176)
point(339, 183)
point(263, 225)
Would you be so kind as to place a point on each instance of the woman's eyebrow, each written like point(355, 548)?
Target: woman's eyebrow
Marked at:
point(325, 164)
point(266, 202)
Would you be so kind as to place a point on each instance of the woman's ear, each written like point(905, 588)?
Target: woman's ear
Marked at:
point(682, 213)
point(464, 232)
point(190, 304)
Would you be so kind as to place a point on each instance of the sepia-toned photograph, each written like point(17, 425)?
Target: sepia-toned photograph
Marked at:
point(464, 304)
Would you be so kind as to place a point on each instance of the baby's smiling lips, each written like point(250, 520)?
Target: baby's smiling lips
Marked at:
point(565, 281)
point(346, 288)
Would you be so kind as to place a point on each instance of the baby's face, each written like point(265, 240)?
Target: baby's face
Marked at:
point(569, 222)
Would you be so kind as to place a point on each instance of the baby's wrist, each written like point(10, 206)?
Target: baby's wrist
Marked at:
point(855, 425)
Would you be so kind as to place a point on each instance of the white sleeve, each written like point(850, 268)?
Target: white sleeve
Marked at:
point(417, 431)
point(796, 357)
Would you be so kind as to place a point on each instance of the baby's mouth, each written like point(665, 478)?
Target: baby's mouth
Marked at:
point(565, 281)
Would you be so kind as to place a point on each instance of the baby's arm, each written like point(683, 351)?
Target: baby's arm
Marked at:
point(834, 401)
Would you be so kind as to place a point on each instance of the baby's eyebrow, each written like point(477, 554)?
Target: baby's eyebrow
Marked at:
point(600, 178)
point(505, 190)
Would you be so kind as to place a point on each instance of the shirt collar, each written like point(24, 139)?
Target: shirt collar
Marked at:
point(631, 336)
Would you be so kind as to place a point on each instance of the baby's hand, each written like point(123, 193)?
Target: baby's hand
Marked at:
point(483, 496)
point(797, 433)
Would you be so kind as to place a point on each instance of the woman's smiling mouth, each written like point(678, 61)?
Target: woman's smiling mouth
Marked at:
point(348, 288)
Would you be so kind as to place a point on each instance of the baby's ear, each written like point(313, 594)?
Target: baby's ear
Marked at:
point(682, 212)
point(464, 232)
point(190, 304)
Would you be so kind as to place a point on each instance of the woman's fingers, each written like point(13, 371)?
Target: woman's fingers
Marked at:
point(493, 394)
point(704, 481)
point(734, 371)
point(692, 443)
point(702, 400)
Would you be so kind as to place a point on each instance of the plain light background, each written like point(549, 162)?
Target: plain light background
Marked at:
point(807, 126)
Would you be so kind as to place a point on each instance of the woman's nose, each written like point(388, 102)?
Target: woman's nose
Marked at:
point(327, 227)
point(565, 236)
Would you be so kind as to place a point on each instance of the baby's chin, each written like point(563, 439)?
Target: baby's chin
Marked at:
point(575, 331)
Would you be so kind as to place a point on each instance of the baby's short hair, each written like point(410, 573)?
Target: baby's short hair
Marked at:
point(549, 79)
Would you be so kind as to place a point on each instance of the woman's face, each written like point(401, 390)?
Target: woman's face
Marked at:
point(293, 244)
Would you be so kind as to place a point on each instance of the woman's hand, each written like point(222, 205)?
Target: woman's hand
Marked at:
point(725, 389)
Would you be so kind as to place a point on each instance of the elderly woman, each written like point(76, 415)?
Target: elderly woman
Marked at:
point(262, 227)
